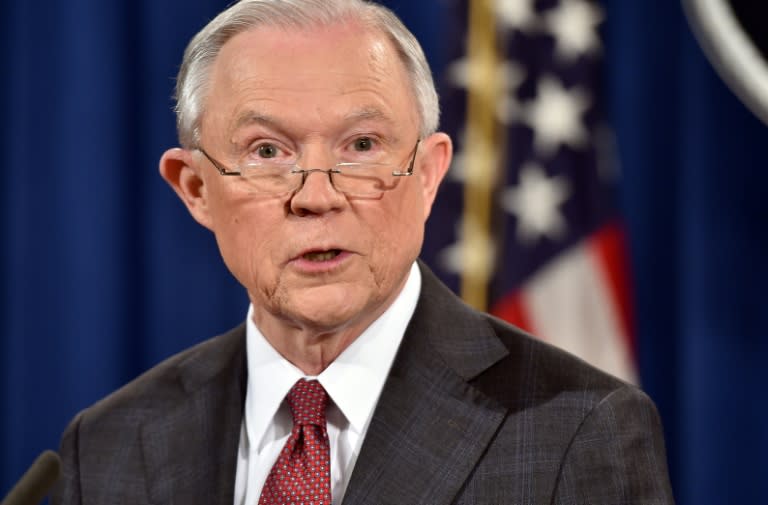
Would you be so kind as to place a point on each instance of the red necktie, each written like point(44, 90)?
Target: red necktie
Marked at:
point(302, 472)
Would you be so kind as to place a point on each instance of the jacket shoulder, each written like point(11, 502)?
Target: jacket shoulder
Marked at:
point(178, 374)
point(546, 368)
point(587, 437)
point(106, 447)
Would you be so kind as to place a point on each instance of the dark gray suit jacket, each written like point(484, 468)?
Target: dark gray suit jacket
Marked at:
point(473, 411)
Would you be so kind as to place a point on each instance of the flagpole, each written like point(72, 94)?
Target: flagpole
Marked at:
point(481, 154)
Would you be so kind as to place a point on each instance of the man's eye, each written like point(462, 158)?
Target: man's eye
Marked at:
point(363, 144)
point(267, 151)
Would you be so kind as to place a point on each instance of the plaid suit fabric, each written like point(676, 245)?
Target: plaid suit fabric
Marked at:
point(473, 412)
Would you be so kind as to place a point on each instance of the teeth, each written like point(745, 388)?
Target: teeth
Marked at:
point(321, 256)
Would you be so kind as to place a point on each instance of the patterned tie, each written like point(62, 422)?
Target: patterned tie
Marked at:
point(302, 472)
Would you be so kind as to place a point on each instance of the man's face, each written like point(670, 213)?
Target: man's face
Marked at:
point(314, 258)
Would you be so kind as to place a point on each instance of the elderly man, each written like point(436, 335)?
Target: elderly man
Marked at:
point(310, 150)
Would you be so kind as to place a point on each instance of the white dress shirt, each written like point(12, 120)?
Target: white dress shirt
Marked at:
point(353, 381)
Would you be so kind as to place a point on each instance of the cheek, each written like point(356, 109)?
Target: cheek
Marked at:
point(245, 244)
point(234, 245)
point(399, 232)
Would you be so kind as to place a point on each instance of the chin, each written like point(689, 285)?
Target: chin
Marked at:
point(328, 308)
point(327, 320)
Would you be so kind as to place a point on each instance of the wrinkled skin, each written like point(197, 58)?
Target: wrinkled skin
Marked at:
point(315, 92)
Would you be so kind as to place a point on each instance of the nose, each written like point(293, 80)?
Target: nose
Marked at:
point(316, 194)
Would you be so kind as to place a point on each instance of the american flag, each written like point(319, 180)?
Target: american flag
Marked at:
point(527, 223)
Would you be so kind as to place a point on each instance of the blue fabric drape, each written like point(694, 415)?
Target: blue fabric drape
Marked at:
point(104, 274)
point(695, 184)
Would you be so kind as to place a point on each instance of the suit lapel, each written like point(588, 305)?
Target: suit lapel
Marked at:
point(429, 429)
point(430, 426)
point(203, 428)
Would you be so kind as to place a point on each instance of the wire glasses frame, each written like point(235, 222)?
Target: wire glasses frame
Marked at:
point(353, 168)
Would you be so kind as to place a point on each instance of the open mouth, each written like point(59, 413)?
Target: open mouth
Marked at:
point(321, 255)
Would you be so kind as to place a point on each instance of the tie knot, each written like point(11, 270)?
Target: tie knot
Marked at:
point(308, 400)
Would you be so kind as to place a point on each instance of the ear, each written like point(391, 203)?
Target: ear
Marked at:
point(178, 168)
point(436, 153)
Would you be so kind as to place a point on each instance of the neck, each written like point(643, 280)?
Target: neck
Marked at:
point(310, 348)
point(309, 344)
point(310, 351)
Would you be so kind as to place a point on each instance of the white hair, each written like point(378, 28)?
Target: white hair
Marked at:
point(194, 75)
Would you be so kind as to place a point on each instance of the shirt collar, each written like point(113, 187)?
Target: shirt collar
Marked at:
point(353, 381)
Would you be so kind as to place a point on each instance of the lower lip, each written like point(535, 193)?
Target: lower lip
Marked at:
point(316, 267)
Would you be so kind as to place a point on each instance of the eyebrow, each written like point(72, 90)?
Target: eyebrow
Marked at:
point(366, 114)
point(250, 117)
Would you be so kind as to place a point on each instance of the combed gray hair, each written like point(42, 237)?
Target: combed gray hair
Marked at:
point(194, 75)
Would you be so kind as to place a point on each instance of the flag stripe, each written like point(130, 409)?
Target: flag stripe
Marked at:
point(512, 308)
point(524, 102)
point(582, 320)
point(610, 247)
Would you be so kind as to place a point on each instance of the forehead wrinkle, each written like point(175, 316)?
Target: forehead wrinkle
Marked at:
point(380, 65)
point(366, 113)
point(249, 117)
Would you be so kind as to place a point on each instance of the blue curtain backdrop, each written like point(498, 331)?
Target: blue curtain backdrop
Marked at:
point(104, 274)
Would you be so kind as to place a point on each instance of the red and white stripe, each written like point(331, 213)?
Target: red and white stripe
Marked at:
point(579, 302)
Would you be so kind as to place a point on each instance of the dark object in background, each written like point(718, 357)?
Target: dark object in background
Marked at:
point(734, 36)
point(36, 481)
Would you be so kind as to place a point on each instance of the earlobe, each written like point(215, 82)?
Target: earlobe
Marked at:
point(178, 169)
point(435, 160)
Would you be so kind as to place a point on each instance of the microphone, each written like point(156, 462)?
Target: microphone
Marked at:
point(36, 482)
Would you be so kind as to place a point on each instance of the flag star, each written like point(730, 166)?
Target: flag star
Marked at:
point(475, 258)
point(515, 14)
point(574, 25)
point(535, 202)
point(555, 116)
point(508, 76)
point(459, 74)
point(512, 75)
point(457, 171)
point(465, 157)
